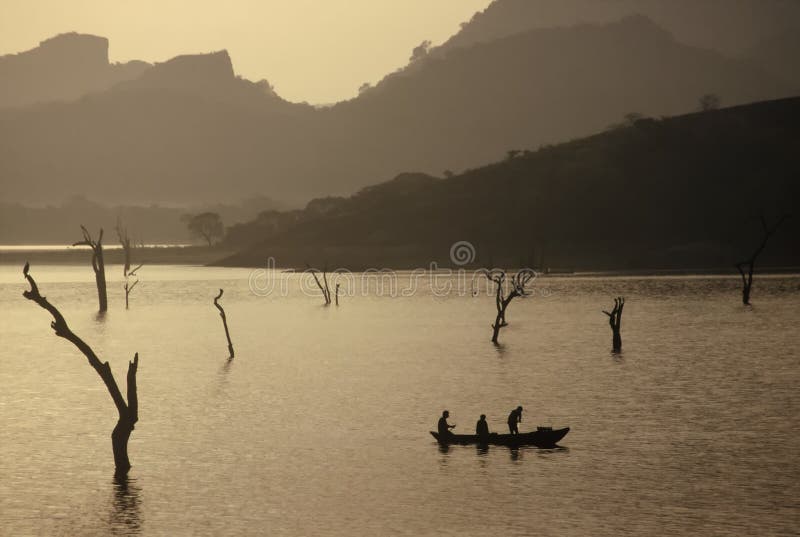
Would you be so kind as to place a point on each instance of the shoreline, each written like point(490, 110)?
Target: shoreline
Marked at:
point(205, 256)
point(158, 255)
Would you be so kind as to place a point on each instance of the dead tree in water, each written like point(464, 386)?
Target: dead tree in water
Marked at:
point(746, 268)
point(98, 265)
point(615, 321)
point(127, 272)
point(518, 283)
point(326, 292)
point(128, 412)
point(337, 294)
point(224, 322)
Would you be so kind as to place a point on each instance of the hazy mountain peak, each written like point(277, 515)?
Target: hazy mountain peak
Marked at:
point(731, 27)
point(65, 38)
point(208, 64)
point(190, 71)
point(642, 22)
point(64, 67)
point(190, 129)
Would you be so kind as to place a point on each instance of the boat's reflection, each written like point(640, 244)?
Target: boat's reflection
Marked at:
point(515, 453)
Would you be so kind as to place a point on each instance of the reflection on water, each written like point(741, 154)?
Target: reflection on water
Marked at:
point(226, 365)
point(125, 517)
point(320, 425)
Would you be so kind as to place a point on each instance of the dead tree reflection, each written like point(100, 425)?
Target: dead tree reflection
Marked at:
point(126, 512)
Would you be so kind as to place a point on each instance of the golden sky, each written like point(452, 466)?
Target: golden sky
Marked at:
point(318, 51)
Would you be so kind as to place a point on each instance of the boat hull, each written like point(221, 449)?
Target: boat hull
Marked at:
point(538, 438)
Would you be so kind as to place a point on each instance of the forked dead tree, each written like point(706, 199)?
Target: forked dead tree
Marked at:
point(128, 411)
point(224, 322)
point(127, 251)
point(748, 267)
point(615, 321)
point(326, 292)
point(98, 264)
point(502, 300)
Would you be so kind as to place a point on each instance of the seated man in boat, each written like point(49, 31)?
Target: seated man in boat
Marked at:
point(482, 428)
point(513, 419)
point(444, 427)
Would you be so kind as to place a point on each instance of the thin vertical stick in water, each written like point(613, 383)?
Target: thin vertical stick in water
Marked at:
point(224, 322)
point(127, 249)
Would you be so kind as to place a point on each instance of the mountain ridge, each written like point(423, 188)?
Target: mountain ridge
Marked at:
point(677, 192)
point(62, 68)
point(153, 137)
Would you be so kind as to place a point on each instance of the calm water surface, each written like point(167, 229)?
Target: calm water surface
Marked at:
point(320, 424)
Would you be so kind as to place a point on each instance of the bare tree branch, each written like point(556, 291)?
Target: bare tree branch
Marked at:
point(518, 283)
point(98, 264)
point(615, 322)
point(224, 322)
point(128, 412)
point(750, 264)
point(326, 292)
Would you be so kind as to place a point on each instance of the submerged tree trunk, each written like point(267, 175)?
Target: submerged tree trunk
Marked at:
point(326, 292)
point(224, 323)
point(615, 322)
point(498, 324)
point(747, 281)
point(518, 283)
point(98, 265)
point(125, 424)
point(748, 267)
point(128, 411)
point(127, 273)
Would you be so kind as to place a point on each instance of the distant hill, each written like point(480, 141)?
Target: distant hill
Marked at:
point(62, 68)
point(780, 55)
point(59, 224)
point(728, 26)
point(207, 76)
point(189, 130)
point(680, 192)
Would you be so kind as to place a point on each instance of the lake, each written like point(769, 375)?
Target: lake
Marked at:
point(320, 424)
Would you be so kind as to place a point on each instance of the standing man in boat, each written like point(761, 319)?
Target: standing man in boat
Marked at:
point(482, 428)
point(513, 419)
point(444, 427)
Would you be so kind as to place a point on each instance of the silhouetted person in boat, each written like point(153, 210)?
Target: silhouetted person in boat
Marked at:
point(482, 428)
point(513, 419)
point(444, 427)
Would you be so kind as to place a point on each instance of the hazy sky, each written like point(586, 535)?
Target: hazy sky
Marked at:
point(311, 50)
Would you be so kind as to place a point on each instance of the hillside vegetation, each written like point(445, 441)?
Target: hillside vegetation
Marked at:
point(680, 192)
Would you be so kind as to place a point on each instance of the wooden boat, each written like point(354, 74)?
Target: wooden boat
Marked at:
point(542, 437)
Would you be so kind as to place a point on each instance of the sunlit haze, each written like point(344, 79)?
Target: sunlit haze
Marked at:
point(313, 51)
point(347, 268)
